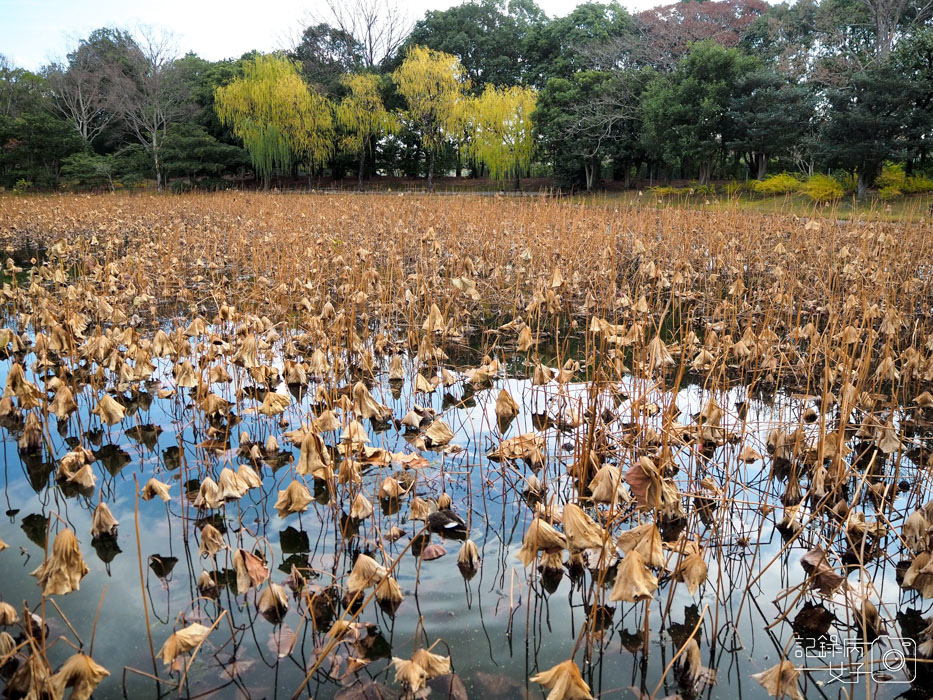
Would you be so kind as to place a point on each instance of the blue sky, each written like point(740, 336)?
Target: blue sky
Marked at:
point(35, 32)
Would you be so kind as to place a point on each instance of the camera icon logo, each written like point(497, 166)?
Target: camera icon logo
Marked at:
point(892, 660)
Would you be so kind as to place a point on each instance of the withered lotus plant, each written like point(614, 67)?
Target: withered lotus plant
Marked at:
point(183, 641)
point(62, 572)
point(565, 682)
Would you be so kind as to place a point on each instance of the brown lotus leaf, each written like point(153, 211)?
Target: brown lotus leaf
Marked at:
point(564, 681)
point(293, 499)
point(155, 488)
point(606, 486)
point(250, 570)
point(420, 509)
point(366, 573)
point(692, 570)
point(212, 541)
point(80, 673)
point(248, 478)
point(634, 581)
point(314, 460)
point(8, 615)
point(103, 524)
point(822, 575)
point(468, 558)
point(183, 641)
point(916, 532)
point(438, 433)
point(62, 572)
point(208, 494)
point(409, 674)
point(109, 411)
point(580, 530)
point(506, 407)
point(361, 508)
point(432, 552)
point(231, 488)
point(781, 681)
point(365, 406)
point(273, 404)
point(273, 601)
point(388, 591)
point(646, 540)
point(540, 536)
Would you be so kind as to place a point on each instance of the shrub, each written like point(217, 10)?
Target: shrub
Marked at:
point(784, 183)
point(889, 192)
point(848, 181)
point(917, 184)
point(892, 175)
point(733, 188)
point(822, 188)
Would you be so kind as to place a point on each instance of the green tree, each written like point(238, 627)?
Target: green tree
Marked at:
point(326, 54)
point(868, 121)
point(433, 86)
point(685, 113)
point(503, 136)
point(363, 116)
point(488, 36)
point(279, 118)
point(768, 116)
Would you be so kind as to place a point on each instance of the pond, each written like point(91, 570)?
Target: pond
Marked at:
point(500, 622)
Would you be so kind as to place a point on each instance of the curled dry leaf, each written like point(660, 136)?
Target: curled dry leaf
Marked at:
point(540, 536)
point(781, 681)
point(103, 524)
point(250, 571)
point(62, 572)
point(155, 488)
point(565, 682)
point(183, 641)
point(293, 499)
point(634, 581)
point(80, 673)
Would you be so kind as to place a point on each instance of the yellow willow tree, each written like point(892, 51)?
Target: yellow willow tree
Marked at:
point(280, 119)
point(433, 85)
point(362, 115)
point(503, 133)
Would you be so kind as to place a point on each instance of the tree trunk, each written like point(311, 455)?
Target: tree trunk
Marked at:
point(862, 187)
point(431, 171)
point(518, 184)
point(762, 166)
point(155, 160)
point(362, 162)
point(706, 171)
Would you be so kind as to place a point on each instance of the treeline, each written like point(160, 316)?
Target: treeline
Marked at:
point(716, 89)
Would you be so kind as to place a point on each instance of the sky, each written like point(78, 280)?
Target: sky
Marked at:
point(35, 32)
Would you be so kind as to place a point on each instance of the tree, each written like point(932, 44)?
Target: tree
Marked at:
point(363, 116)
point(868, 121)
point(80, 87)
point(379, 27)
point(503, 137)
point(574, 144)
point(278, 117)
point(767, 116)
point(587, 39)
point(669, 30)
point(433, 86)
point(685, 113)
point(148, 94)
point(326, 53)
point(488, 36)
